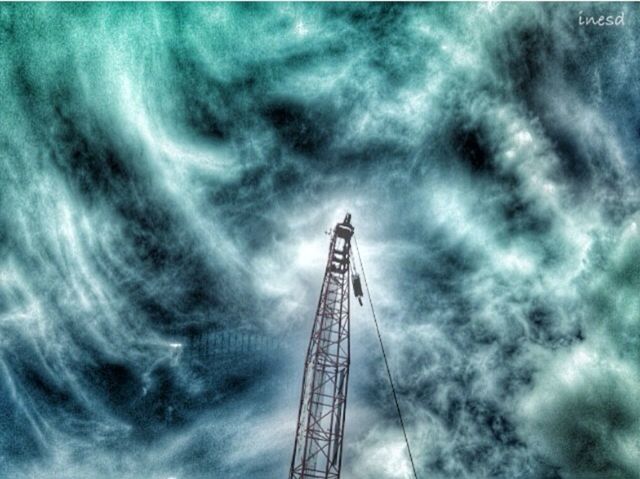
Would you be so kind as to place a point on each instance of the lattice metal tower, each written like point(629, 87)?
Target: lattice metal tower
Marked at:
point(317, 452)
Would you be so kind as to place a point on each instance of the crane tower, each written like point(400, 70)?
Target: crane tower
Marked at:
point(317, 453)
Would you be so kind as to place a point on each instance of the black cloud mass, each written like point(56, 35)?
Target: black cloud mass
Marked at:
point(168, 171)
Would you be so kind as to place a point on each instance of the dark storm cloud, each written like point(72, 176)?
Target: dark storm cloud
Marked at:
point(171, 168)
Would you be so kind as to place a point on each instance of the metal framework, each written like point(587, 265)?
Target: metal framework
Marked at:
point(317, 452)
point(211, 345)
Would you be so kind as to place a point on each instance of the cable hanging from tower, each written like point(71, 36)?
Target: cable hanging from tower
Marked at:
point(386, 361)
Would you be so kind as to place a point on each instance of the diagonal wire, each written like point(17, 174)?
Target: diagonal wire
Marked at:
point(386, 362)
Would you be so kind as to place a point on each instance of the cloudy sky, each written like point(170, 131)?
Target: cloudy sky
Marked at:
point(170, 168)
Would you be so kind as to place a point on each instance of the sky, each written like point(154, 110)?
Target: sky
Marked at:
point(167, 169)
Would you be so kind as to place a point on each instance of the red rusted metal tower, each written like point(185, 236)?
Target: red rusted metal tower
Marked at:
point(317, 452)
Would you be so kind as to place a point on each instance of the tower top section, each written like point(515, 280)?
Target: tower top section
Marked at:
point(345, 229)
